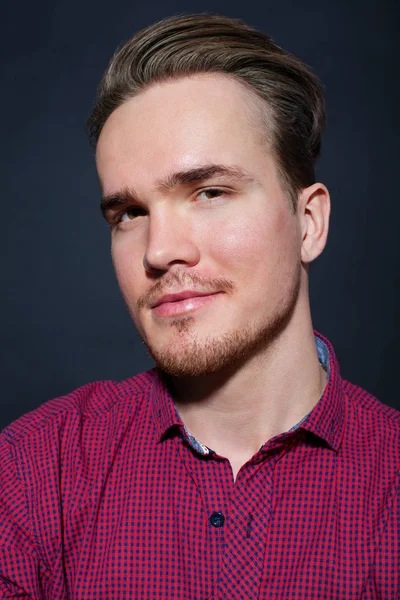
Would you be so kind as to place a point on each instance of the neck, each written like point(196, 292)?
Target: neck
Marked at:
point(237, 411)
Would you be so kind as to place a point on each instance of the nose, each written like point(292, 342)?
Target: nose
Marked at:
point(170, 241)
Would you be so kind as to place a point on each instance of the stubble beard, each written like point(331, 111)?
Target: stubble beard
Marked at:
point(189, 356)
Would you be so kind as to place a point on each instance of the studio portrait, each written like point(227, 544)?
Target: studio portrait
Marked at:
point(199, 305)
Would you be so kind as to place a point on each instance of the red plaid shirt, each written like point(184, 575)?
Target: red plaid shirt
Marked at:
point(104, 495)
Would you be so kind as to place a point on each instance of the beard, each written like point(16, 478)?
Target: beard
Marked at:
point(189, 356)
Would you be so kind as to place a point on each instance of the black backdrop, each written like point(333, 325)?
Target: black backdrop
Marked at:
point(64, 323)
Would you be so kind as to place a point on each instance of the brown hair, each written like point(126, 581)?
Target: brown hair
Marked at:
point(207, 43)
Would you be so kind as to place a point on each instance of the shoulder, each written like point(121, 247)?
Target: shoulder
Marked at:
point(373, 426)
point(372, 410)
point(90, 402)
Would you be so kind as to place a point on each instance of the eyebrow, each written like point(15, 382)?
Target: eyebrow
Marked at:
point(168, 183)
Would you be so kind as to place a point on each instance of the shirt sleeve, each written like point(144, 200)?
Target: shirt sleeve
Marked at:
point(384, 579)
point(20, 564)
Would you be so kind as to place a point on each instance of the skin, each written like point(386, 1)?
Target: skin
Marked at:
point(242, 367)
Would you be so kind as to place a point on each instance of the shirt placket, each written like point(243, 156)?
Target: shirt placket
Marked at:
point(238, 513)
point(247, 527)
point(212, 475)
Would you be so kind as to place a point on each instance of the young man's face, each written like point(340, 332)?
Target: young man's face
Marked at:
point(228, 235)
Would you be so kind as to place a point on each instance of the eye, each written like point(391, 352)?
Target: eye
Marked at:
point(130, 214)
point(212, 193)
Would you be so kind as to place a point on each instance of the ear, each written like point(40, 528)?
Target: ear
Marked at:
point(314, 207)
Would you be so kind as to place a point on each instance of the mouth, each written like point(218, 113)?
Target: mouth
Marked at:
point(170, 306)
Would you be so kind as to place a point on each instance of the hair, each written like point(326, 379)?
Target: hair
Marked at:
point(186, 45)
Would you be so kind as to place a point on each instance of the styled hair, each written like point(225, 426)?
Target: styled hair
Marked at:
point(192, 44)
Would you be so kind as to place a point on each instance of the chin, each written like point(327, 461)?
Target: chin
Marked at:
point(191, 357)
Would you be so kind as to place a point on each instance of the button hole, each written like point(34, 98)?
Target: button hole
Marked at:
point(248, 528)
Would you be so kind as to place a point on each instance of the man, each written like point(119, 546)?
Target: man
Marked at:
point(242, 466)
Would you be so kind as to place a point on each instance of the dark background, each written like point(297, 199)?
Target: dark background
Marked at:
point(64, 323)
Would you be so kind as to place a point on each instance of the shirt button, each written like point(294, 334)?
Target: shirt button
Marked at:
point(217, 519)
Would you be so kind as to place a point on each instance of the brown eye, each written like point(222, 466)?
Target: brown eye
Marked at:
point(212, 193)
point(130, 214)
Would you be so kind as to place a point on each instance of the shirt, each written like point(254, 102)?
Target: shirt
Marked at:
point(105, 495)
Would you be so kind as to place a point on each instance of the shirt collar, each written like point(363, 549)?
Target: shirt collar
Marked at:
point(165, 414)
point(326, 419)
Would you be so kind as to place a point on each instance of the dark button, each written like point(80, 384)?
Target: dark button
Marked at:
point(217, 519)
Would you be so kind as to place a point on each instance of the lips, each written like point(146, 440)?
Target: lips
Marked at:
point(180, 296)
point(174, 305)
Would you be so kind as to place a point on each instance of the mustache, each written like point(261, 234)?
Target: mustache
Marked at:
point(179, 281)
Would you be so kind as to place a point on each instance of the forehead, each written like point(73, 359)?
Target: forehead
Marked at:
point(181, 124)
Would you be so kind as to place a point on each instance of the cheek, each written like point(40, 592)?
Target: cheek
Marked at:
point(242, 244)
point(260, 254)
point(128, 266)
